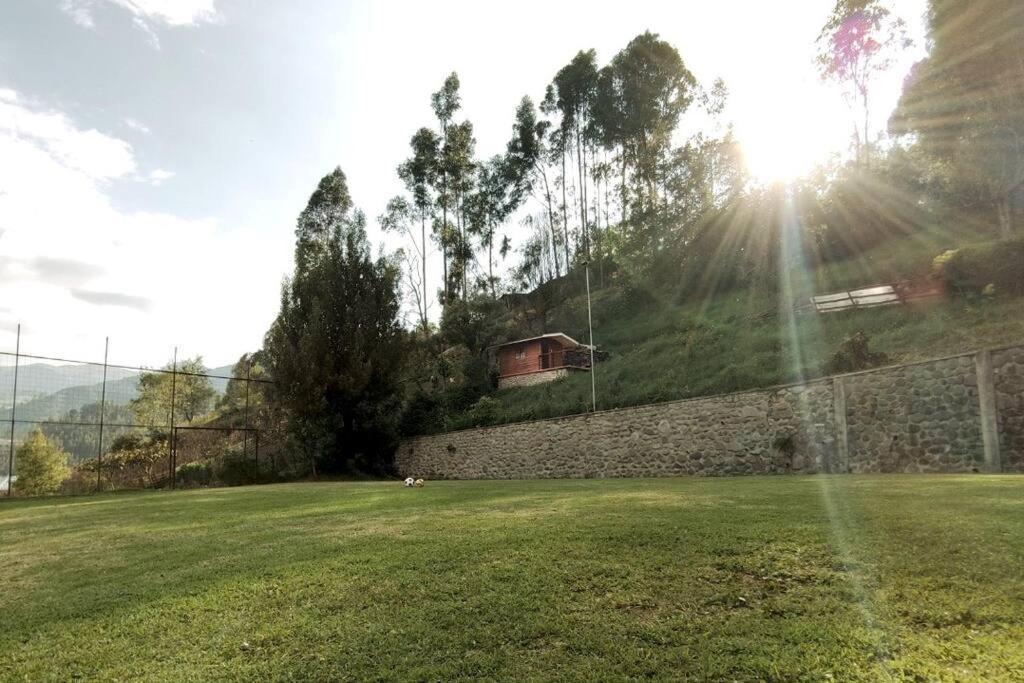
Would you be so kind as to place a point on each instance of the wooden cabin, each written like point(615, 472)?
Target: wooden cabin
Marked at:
point(540, 359)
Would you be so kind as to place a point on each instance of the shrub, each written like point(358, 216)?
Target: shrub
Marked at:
point(195, 474)
point(40, 466)
point(972, 269)
point(853, 355)
point(485, 410)
point(237, 470)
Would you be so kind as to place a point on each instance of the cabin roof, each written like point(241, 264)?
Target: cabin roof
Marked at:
point(561, 336)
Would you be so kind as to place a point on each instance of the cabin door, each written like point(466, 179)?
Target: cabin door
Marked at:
point(545, 354)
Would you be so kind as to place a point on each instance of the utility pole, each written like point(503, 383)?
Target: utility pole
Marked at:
point(590, 324)
point(170, 437)
point(103, 410)
point(14, 408)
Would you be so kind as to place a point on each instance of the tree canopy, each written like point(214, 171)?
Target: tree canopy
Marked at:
point(336, 346)
point(962, 103)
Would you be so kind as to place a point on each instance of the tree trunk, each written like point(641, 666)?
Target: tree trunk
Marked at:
point(622, 188)
point(551, 222)
point(423, 258)
point(565, 212)
point(867, 138)
point(444, 211)
point(490, 262)
point(581, 164)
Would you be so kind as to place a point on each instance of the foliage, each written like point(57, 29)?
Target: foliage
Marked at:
point(75, 432)
point(961, 104)
point(853, 355)
point(641, 96)
point(236, 469)
point(485, 410)
point(975, 267)
point(335, 350)
point(40, 465)
point(194, 474)
point(860, 41)
point(665, 345)
point(241, 394)
point(134, 460)
point(191, 391)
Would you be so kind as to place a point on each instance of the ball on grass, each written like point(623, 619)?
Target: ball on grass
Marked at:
point(409, 481)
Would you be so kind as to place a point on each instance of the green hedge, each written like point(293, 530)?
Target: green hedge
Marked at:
point(973, 268)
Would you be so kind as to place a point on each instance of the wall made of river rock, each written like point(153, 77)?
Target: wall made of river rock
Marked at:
point(921, 417)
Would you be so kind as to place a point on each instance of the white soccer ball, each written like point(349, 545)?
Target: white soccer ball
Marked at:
point(409, 481)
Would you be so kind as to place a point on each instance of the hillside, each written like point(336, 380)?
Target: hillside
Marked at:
point(41, 379)
point(122, 388)
point(663, 349)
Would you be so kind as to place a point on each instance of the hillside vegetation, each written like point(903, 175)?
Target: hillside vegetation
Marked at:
point(662, 349)
point(629, 167)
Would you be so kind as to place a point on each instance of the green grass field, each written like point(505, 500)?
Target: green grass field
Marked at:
point(914, 578)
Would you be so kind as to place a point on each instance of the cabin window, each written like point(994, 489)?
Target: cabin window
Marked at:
point(521, 353)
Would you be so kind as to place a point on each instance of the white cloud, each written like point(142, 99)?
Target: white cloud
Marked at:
point(136, 125)
point(74, 267)
point(147, 14)
point(158, 176)
point(80, 12)
point(96, 155)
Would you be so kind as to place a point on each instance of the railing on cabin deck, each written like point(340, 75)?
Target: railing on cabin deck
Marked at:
point(564, 358)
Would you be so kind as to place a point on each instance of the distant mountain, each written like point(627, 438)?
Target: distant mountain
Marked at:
point(53, 406)
point(40, 379)
point(121, 390)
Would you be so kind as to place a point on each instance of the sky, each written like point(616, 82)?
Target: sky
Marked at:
point(154, 154)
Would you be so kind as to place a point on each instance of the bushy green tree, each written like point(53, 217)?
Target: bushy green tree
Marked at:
point(640, 97)
point(186, 382)
point(575, 86)
point(40, 466)
point(962, 103)
point(335, 350)
point(240, 391)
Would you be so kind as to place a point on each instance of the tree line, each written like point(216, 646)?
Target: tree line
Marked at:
point(598, 170)
point(600, 174)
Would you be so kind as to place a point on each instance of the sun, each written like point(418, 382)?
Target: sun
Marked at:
point(783, 145)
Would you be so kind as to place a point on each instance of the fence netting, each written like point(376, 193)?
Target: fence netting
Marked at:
point(102, 426)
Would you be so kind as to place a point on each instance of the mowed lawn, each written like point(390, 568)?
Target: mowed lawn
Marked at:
point(785, 578)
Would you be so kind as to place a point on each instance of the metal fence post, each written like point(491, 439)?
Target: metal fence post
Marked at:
point(103, 410)
point(14, 408)
point(171, 434)
point(245, 438)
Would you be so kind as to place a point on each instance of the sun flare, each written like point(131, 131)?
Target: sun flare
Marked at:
point(781, 145)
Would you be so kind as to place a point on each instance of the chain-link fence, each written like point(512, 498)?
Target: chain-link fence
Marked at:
point(75, 426)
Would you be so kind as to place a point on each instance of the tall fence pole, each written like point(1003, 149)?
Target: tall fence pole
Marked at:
point(171, 434)
point(245, 437)
point(14, 408)
point(103, 411)
point(590, 325)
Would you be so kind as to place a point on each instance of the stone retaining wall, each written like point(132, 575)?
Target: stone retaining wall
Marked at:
point(960, 414)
